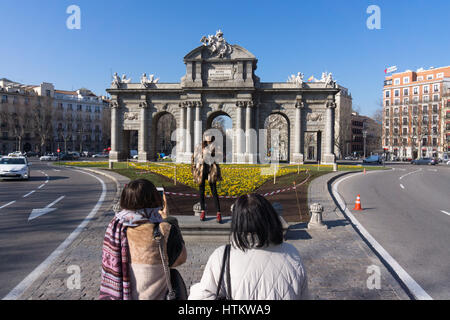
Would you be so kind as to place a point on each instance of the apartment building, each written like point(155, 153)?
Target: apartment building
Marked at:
point(445, 127)
point(366, 135)
point(413, 112)
point(43, 119)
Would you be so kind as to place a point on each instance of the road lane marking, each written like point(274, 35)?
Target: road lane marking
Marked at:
point(42, 185)
point(8, 204)
point(410, 173)
point(15, 293)
point(447, 213)
point(434, 170)
point(29, 193)
point(35, 213)
point(402, 186)
point(416, 290)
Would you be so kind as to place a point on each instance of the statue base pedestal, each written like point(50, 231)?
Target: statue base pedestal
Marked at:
point(298, 158)
point(329, 159)
point(239, 158)
point(143, 157)
point(187, 157)
point(114, 156)
point(251, 158)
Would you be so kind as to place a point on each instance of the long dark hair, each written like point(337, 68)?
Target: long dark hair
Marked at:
point(255, 223)
point(140, 194)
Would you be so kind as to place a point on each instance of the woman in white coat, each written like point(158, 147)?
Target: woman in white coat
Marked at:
point(261, 265)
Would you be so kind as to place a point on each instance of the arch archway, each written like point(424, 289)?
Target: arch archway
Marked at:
point(164, 126)
point(222, 122)
point(280, 122)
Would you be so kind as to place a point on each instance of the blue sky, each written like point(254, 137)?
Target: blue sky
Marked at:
point(139, 36)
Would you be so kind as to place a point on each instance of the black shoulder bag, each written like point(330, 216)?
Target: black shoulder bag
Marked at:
point(175, 283)
point(225, 265)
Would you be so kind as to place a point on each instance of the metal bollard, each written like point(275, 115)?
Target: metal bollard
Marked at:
point(316, 221)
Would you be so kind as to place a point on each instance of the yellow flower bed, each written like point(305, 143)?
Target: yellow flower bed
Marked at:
point(237, 179)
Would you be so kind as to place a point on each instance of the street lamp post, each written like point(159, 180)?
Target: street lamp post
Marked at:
point(364, 132)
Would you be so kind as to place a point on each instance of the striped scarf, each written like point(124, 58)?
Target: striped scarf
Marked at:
point(115, 283)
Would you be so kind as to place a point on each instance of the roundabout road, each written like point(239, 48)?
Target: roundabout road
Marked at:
point(407, 211)
point(40, 217)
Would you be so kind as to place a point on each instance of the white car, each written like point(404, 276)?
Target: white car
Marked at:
point(14, 168)
point(100, 155)
point(448, 162)
point(16, 154)
point(48, 157)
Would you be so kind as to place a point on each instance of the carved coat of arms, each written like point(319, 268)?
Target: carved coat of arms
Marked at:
point(130, 116)
point(217, 44)
point(314, 117)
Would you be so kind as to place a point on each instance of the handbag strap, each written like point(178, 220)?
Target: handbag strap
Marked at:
point(159, 238)
point(225, 264)
point(228, 291)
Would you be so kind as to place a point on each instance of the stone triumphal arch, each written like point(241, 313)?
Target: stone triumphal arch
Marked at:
point(220, 79)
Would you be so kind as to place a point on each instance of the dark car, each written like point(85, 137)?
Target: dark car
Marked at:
point(428, 161)
point(32, 154)
point(67, 156)
point(373, 159)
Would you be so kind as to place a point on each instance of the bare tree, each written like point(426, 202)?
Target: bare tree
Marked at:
point(42, 113)
point(106, 127)
point(20, 122)
point(64, 127)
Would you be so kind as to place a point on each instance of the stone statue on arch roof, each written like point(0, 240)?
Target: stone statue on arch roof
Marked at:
point(217, 44)
point(296, 79)
point(328, 79)
point(147, 81)
point(116, 81)
point(124, 79)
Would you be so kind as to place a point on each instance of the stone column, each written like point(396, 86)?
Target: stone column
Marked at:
point(188, 150)
point(250, 153)
point(114, 153)
point(143, 133)
point(181, 144)
point(329, 157)
point(239, 156)
point(298, 143)
point(197, 124)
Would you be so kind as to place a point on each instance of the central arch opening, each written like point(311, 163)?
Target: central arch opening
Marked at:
point(223, 122)
point(278, 122)
point(166, 125)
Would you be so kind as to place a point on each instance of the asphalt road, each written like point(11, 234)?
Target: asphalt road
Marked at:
point(67, 196)
point(407, 211)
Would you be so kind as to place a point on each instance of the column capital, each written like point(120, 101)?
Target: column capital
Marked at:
point(299, 104)
point(191, 103)
point(114, 104)
point(331, 104)
point(143, 105)
point(245, 103)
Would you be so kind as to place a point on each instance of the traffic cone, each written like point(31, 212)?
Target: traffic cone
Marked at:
point(358, 203)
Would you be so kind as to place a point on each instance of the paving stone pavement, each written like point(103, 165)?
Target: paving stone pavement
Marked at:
point(336, 260)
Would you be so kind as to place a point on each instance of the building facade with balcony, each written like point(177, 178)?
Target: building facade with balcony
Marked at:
point(42, 119)
point(366, 135)
point(445, 128)
point(79, 123)
point(413, 113)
